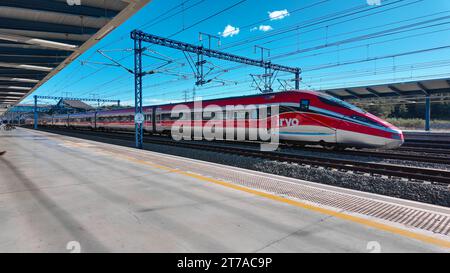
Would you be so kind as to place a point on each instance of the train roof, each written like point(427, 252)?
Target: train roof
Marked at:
point(229, 100)
point(271, 95)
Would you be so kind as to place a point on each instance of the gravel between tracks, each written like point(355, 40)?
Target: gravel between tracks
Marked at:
point(416, 191)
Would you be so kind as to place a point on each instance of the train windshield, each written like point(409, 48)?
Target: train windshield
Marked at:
point(337, 102)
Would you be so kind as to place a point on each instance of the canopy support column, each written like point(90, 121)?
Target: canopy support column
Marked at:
point(35, 113)
point(427, 113)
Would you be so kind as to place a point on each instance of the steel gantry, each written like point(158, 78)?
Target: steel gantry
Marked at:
point(139, 127)
point(35, 109)
point(139, 36)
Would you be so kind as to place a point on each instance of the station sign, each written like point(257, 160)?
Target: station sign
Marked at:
point(139, 118)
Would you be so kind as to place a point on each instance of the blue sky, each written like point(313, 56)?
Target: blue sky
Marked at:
point(337, 43)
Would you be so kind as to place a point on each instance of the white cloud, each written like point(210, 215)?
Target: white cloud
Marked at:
point(374, 2)
point(281, 14)
point(265, 28)
point(229, 31)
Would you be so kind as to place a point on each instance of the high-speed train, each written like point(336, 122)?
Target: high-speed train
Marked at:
point(306, 117)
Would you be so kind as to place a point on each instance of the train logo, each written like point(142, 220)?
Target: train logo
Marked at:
point(289, 122)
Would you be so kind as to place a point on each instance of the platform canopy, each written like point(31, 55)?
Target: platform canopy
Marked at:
point(389, 90)
point(400, 91)
point(39, 38)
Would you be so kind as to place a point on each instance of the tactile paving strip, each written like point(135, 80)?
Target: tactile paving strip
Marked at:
point(412, 217)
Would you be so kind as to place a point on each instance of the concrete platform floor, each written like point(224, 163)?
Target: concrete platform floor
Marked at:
point(58, 192)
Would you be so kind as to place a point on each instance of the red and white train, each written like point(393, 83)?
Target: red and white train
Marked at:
point(304, 117)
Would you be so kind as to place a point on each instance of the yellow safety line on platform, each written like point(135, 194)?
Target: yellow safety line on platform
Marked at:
point(355, 219)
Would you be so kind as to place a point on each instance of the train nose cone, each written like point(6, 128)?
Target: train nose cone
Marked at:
point(394, 144)
point(396, 140)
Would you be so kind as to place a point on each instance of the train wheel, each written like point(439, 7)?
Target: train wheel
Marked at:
point(332, 147)
point(339, 148)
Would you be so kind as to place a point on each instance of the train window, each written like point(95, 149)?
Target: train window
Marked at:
point(165, 116)
point(241, 115)
point(209, 115)
point(265, 112)
point(254, 114)
point(366, 120)
point(330, 100)
point(176, 116)
point(304, 105)
point(284, 109)
point(229, 115)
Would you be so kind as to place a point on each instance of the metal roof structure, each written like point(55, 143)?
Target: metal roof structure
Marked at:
point(402, 91)
point(29, 108)
point(390, 90)
point(75, 104)
point(39, 38)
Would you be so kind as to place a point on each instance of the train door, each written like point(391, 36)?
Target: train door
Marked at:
point(153, 119)
point(312, 126)
point(95, 120)
point(158, 126)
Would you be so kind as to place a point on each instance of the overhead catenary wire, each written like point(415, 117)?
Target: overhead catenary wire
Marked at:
point(196, 23)
point(324, 68)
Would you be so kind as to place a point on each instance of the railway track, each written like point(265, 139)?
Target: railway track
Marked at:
point(440, 141)
point(356, 166)
point(425, 150)
point(427, 144)
point(363, 153)
point(392, 155)
point(413, 173)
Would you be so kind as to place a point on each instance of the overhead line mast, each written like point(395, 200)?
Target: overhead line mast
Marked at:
point(140, 36)
point(212, 53)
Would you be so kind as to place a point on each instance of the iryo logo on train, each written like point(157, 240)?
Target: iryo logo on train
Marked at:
point(289, 122)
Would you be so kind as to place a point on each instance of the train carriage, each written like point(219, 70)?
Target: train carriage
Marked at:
point(304, 117)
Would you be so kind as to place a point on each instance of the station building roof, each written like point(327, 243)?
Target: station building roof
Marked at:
point(39, 38)
point(75, 104)
point(390, 90)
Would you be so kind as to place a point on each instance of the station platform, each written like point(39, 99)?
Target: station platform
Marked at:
point(58, 191)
